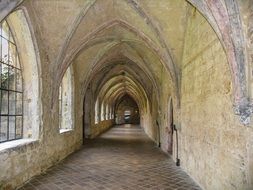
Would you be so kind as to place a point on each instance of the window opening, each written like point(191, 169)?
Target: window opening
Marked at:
point(65, 102)
point(11, 89)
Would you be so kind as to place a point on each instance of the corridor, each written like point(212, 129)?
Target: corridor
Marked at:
point(180, 69)
point(122, 158)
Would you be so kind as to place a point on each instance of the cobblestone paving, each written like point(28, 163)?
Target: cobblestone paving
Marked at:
point(122, 158)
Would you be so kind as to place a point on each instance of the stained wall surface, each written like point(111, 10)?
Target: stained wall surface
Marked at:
point(213, 143)
point(174, 58)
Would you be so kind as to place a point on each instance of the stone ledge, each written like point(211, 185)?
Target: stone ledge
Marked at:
point(65, 130)
point(15, 144)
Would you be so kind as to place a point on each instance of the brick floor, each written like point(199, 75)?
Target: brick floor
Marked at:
point(122, 158)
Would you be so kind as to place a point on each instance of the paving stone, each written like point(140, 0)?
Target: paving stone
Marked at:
point(122, 158)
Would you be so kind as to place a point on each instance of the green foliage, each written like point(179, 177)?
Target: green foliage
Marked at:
point(6, 76)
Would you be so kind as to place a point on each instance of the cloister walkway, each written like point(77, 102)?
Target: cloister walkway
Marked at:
point(122, 158)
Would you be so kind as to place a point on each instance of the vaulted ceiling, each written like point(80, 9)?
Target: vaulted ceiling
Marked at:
point(104, 39)
point(93, 34)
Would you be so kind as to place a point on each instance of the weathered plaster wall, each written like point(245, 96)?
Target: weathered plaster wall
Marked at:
point(149, 118)
point(46, 145)
point(101, 127)
point(246, 8)
point(149, 126)
point(165, 111)
point(19, 164)
point(213, 147)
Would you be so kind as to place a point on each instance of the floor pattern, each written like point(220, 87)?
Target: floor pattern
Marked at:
point(122, 158)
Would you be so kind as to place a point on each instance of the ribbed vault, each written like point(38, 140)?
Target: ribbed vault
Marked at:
point(186, 65)
point(137, 22)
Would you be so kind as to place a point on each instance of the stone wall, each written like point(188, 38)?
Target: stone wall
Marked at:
point(101, 127)
point(22, 159)
point(164, 113)
point(127, 103)
point(43, 144)
point(213, 147)
point(32, 157)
